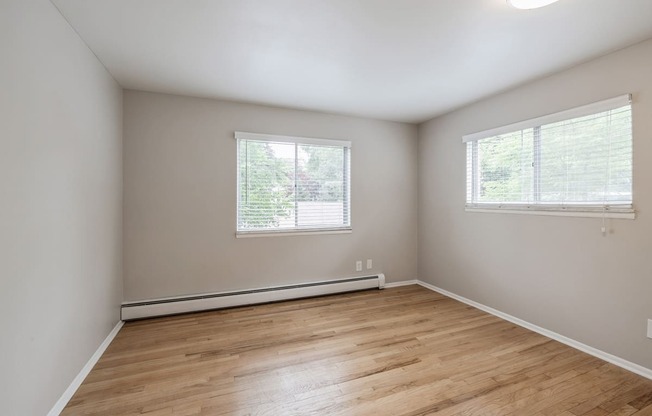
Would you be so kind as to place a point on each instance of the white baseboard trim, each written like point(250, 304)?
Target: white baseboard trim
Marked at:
point(620, 362)
point(401, 283)
point(70, 391)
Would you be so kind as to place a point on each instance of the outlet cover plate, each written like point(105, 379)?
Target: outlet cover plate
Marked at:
point(649, 328)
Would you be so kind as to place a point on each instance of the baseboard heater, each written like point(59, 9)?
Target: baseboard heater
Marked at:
point(194, 303)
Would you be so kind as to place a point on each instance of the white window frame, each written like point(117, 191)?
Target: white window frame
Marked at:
point(344, 229)
point(622, 211)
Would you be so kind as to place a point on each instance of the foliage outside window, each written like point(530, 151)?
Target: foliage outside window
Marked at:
point(292, 184)
point(578, 160)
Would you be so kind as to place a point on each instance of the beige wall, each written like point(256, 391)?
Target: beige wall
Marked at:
point(61, 228)
point(180, 199)
point(556, 272)
point(60, 209)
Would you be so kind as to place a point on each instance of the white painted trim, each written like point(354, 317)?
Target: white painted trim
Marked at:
point(72, 388)
point(243, 135)
point(557, 213)
point(401, 283)
point(620, 362)
point(291, 233)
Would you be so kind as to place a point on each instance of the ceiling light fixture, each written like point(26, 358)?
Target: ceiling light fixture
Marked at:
point(529, 4)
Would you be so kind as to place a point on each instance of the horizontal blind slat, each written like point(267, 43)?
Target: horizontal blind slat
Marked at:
point(290, 183)
point(585, 160)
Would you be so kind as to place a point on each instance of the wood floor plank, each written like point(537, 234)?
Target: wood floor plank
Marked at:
point(401, 351)
point(626, 410)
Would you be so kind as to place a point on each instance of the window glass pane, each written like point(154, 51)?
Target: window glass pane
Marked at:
point(584, 161)
point(266, 174)
point(320, 186)
point(587, 160)
point(505, 166)
point(619, 179)
point(292, 186)
point(470, 171)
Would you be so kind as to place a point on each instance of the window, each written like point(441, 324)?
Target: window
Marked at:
point(577, 161)
point(291, 184)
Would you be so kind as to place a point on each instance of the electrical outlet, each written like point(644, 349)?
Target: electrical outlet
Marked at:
point(369, 264)
point(358, 266)
point(649, 328)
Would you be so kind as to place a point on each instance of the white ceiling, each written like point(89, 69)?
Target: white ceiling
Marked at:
point(403, 60)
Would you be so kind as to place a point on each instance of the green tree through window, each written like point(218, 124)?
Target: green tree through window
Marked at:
point(266, 185)
point(583, 161)
point(286, 185)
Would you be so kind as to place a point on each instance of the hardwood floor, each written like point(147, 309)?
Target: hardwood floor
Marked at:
point(402, 351)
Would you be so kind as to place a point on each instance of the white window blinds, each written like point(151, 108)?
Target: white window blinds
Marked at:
point(292, 183)
point(580, 159)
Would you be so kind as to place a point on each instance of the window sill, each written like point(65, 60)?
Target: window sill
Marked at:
point(290, 233)
point(624, 215)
